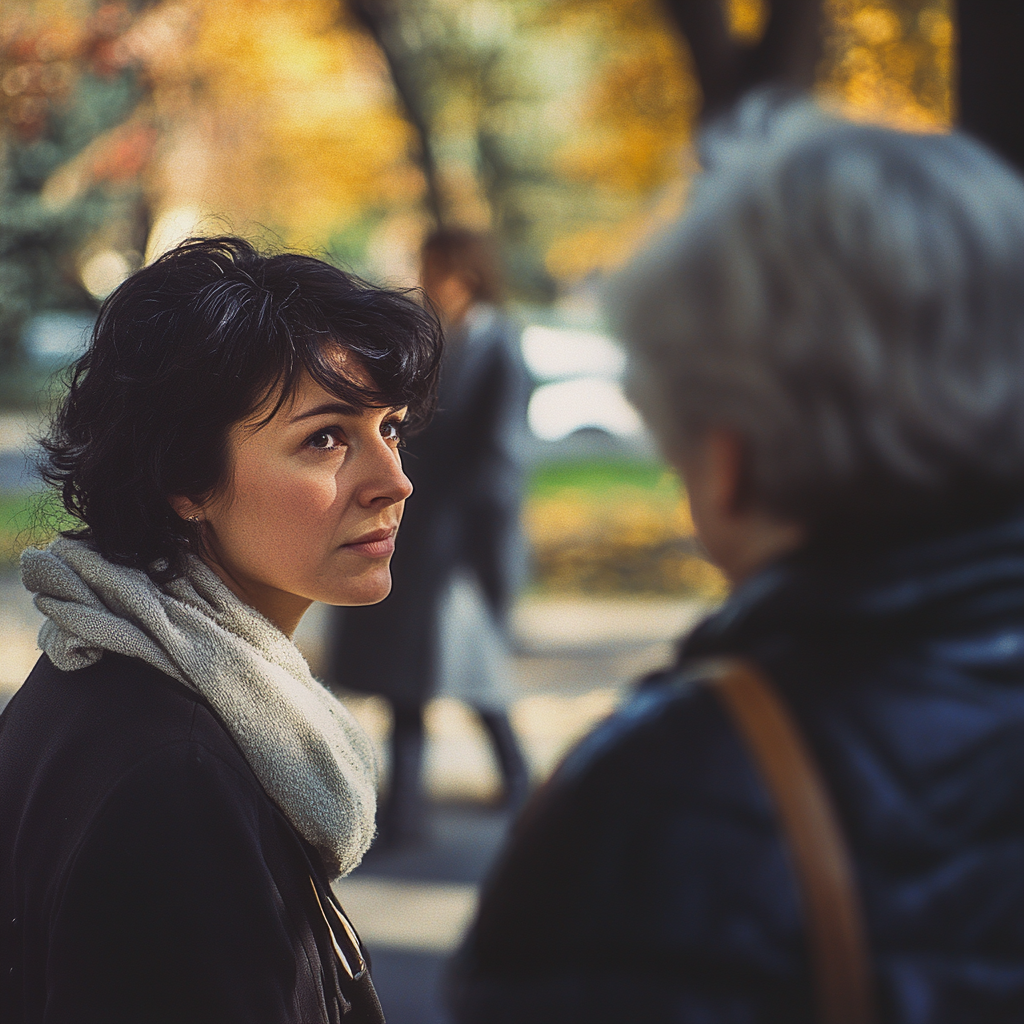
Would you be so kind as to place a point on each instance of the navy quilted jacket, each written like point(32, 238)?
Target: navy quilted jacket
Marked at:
point(648, 882)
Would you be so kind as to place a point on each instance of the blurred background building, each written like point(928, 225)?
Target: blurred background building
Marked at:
point(352, 128)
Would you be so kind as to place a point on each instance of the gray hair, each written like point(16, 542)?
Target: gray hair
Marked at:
point(850, 301)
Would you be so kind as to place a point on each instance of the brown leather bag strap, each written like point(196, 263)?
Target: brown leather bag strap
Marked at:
point(827, 885)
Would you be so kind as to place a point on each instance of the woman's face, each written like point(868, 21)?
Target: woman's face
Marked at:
point(311, 506)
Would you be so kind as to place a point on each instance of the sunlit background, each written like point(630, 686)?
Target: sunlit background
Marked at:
point(564, 126)
point(350, 129)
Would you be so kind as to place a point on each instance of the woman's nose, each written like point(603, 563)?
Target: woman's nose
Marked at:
point(385, 482)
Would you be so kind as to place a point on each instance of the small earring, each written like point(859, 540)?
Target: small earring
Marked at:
point(194, 520)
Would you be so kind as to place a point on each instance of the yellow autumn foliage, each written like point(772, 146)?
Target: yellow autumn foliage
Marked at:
point(282, 113)
point(619, 537)
point(276, 113)
point(747, 19)
point(884, 60)
point(890, 62)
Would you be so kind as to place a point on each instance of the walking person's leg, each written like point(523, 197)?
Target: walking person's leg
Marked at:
point(403, 816)
point(515, 774)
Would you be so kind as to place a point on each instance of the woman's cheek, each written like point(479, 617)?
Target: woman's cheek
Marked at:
point(292, 502)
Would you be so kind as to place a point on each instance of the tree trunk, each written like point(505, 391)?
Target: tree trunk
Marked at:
point(786, 55)
point(991, 58)
point(381, 21)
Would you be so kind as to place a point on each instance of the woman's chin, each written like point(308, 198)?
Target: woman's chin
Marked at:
point(369, 589)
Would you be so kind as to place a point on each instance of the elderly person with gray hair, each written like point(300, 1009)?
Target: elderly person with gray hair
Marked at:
point(830, 348)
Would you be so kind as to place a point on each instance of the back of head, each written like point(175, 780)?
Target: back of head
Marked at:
point(850, 301)
point(469, 254)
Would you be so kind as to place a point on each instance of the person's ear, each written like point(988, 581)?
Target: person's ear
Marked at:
point(737, 534)
point(723, 457)
point(711, 467)
point(185, 507)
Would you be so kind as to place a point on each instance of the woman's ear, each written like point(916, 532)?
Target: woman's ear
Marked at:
point(712, 469)
point(723, 458)
point(739, 537)
point(185, 507)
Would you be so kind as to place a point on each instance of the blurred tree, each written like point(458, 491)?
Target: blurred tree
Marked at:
point(890, 61)
point(884, 59)
point(476, 84)
point(503, 96)
point(384, 22)
point(629, 144)
point(648, 83)
point(351, 125)
point(65, 82)
point(278, 116)
point(738, 47)
point(991, 40)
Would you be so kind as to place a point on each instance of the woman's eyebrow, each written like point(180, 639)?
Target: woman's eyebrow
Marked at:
point(336, 409)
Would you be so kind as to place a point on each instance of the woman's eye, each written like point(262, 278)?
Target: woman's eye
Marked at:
point(391, 430)
point(324, 440)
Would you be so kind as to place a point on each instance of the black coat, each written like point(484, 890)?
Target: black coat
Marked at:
point(466, 469)
point(145, 875)
point(648, 882)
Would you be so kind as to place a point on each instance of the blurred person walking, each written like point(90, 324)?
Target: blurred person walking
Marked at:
point(177, 792)
point(461, 558)
point(830, 347)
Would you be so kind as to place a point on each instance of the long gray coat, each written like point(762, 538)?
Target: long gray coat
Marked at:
point(466, 469)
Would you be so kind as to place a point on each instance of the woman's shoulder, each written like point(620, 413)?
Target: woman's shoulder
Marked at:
point(119, 750)
point(117, 696)
point(654, 830)
point(96, 726)
point(667, 756)
point(145, 850)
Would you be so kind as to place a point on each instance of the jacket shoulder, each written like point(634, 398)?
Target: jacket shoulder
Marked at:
point(120, 709)
point(667, 764)
point(70, 741)
point(146, 852)
point(654, 846)
point(669, 714)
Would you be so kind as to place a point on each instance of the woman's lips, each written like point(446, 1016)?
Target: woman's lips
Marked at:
point(377, 544)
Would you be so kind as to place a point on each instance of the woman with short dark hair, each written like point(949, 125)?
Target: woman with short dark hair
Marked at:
point(176, 791)
point(829, 346)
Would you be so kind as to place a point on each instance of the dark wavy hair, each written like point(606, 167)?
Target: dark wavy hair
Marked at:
point(197, 341)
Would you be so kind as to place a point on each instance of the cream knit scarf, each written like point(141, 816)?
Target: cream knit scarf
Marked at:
point(310, 754)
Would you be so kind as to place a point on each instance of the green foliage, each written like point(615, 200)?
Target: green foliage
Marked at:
point(504, 92)
point(30, 519)
point(349, 246)
point(60, 93)
point(599, 476)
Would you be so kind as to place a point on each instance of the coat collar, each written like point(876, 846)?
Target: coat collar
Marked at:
point(970, 580)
